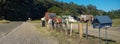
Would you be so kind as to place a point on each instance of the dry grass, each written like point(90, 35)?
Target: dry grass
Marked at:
point(66, 39)
point(116, 22)
point(74, 39)
point(4, 21)
point(34, 21)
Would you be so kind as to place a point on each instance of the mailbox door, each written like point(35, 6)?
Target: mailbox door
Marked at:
point(95, 25)
point(106, 25)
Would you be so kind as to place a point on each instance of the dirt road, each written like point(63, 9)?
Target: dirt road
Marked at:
point(26, 34)
point(5, 28)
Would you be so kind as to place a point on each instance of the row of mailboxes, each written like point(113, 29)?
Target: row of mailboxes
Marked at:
point(101, 22)
point(98, 21)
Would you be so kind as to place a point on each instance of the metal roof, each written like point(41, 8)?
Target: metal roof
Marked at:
point(103, 19)
point(51, 15)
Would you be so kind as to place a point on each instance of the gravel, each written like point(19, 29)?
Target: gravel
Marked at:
point(5, 28)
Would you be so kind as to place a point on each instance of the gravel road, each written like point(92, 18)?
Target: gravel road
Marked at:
point(7, 27)
point(26, 34)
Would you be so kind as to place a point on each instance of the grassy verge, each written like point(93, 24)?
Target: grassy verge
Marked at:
point(4, 21)
point(60, 36)
point(34, 21)
point(74, 39)
point(66, 39)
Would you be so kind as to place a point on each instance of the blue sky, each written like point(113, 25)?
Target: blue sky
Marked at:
point(106, 5)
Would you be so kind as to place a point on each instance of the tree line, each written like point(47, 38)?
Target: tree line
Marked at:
point(35, 9)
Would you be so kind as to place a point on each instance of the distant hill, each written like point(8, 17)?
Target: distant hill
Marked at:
point(35, 9)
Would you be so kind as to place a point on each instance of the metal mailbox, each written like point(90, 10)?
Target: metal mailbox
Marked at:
point(102, 21)
point(52, 15)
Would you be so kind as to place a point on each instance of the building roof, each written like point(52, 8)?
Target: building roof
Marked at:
point(103, 19)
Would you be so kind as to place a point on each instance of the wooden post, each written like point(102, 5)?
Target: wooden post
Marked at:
point(78, 27)
point(70, 29)
point(106, 36)
point(99, 36)
point(66, 28)
point(87, 30)
point(80, 30)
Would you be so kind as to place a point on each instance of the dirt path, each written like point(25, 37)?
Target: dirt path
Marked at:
point(5, 28)
point(26, 34)
point(111, 34)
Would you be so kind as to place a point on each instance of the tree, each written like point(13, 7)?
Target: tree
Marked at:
point(55, 9)
point(91, 10)
point(114, 14)
point(35, 9)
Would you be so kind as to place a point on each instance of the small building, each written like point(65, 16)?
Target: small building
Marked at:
point(102, 21)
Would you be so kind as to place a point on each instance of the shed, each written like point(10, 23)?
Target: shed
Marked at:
point(102, 21)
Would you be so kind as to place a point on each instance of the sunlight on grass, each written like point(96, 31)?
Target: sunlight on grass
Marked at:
point(66, 39)
point(34, 21)
point(116, 22)
point(4, 21)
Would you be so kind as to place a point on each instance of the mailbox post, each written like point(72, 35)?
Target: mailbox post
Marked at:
point(102, 22)
point(80, 28)
point(87, 29)
point(71, 28)
point(106, 35)
point(106, 27)
point(99, 35)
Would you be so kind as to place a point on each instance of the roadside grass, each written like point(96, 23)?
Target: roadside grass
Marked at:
point(60, 36)
point(66, 39)
point(116, 22)
point(4, 21)
point(34, 21)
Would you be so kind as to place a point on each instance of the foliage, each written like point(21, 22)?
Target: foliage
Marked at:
point(35, 9)
point(55, 9)
point(114, 14)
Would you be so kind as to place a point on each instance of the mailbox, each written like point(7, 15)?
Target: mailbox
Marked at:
point(52, 15)
point(102, 21)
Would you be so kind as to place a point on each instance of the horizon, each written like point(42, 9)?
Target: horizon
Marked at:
point(105, 5)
